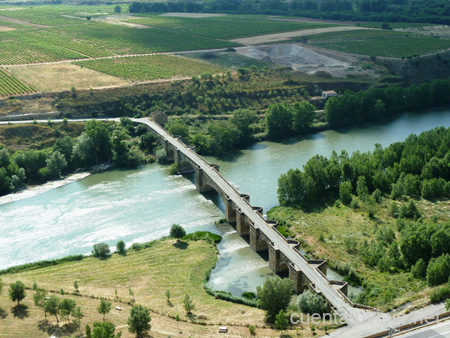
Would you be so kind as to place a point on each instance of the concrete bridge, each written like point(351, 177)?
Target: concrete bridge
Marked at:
point(284, 254)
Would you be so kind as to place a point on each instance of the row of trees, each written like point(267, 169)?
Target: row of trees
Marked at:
point(374, 103)
point(64, 308)
point(432, 11)
point(99, 143)
point(417, 166)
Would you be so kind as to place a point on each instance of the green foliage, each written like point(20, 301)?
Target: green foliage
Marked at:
point(17, 292)
point(278, 120)
point(274, 296)
point(345, 192)
point(41, 264)
point(438, 270)
point(230, 298)
point(177, 231)
point(105, 330)
point(139, 320)
point(120, 248)
point(101, 250)
point(10, 85)
point(419, 270)
point(100, 135)
point(409, 211)
point(174, 169)
point(66, 307)
point(120, 137)
point(51, 306)
point(440, 294)
point(243, 119)
point(447, 305)
point(311, 303)
point(104, 307)
point(252, 329)
point(198, 235)
point(188, 304)
point(56, 162)
point(179, 129)
point(281, 322)
point(161, 156)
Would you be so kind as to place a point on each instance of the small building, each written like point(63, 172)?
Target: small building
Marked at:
point(223, 329)
point(328, 93)
point(159, 117)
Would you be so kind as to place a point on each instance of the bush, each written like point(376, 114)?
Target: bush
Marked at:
point(177, 231)
point(161, 156)
point(311, 303)
point(41, 264)
point(101, 250)
point(120, 248)
point(174, 169)
point(230, 298)
point(203, 235)
point(419, 270)
point(354, 204)
point(438, 270)
point(440, 294)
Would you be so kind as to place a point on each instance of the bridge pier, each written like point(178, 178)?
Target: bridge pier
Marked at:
point(242, 225)
point(299, 279)
point(257, 241)
point(275, 259)
point(199, 181)
point(230, 212)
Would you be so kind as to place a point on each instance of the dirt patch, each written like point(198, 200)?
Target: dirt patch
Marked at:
point(307, 60)
point(193, 15)
point(63, 76)
point(20, 22)
point(289, 35)
point(6, 29)
point(119, 20)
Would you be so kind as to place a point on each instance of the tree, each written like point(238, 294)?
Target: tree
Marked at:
point(55, 163)
point(101, 137)
point(77, 315)
point(105, 330)
point(120, 248)
point(65, 146)
point(419, 270)
point(117, 9)
point(311, 303)
point(51, 306)
point(75, 285)
point(303, 114)
point(168, 296)
point(274, 296)
point(188, 304)
point(345, 192)
point(101, 250)
point(104, 308)
point(223, 136)
point(180, 129)
point(139, 320)
point(438, 270)
point(242, 119)
point(281, 321)
point(278, 120)
point(17, 292)
point(119, 145)
point(39, 299)
point(361, 187)
point(66, 307)
point(177, 231)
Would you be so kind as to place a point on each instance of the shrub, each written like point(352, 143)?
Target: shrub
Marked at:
point(438, 270)
point(174, 169)
point(101, 250)
point(311, 303)
point(440, 294)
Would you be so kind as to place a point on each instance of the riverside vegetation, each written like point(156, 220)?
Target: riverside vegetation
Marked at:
point(380, 218)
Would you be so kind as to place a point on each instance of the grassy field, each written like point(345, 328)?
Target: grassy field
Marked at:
point(226, 27)
point(168, 265)
point(141, 68)
point(10, 85)
point(379, 43)
point(340, 225)
point(64, 76)
point(395, 25)
point(228, 60)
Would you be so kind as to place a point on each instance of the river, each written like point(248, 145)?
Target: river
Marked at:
point(140, 205)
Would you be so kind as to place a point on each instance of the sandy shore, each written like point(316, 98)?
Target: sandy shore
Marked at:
point(37, 190)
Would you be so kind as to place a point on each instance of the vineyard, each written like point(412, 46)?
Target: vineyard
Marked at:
point(361, 34)
point(226, 27)
point(153, 67)
point(10, 85)
point(393, 47)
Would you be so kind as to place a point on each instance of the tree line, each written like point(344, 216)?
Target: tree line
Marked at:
point(429, 11)
point(99, 143)
point(417, 166)
point(374, 103)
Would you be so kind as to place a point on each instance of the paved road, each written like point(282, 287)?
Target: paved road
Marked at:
point(434, 331)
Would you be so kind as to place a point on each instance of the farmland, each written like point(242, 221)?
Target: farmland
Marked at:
point(379, 43)
point(227, 27)
point(141, 68)
point(10, 85)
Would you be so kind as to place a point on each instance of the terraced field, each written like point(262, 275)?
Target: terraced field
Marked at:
point(141, 68)
point(10, 85)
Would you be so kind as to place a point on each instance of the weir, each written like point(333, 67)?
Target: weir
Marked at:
point(284, 254)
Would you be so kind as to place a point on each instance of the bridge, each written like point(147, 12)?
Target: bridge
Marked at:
point(284, 254)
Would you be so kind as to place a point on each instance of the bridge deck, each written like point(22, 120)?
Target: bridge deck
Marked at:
point(346, 310)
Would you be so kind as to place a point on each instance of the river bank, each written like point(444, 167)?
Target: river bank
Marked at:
point(36, 190)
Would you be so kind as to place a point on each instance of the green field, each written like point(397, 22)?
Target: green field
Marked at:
point(395, 25)
point(226, 27)
point(228, 60)
point(10, 85)
point(141, 68)
point(379, 43)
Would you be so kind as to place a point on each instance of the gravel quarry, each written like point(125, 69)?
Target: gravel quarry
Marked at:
point(299, 58)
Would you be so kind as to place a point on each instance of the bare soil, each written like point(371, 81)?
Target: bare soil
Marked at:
point(6, 29)
point(269, 38)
